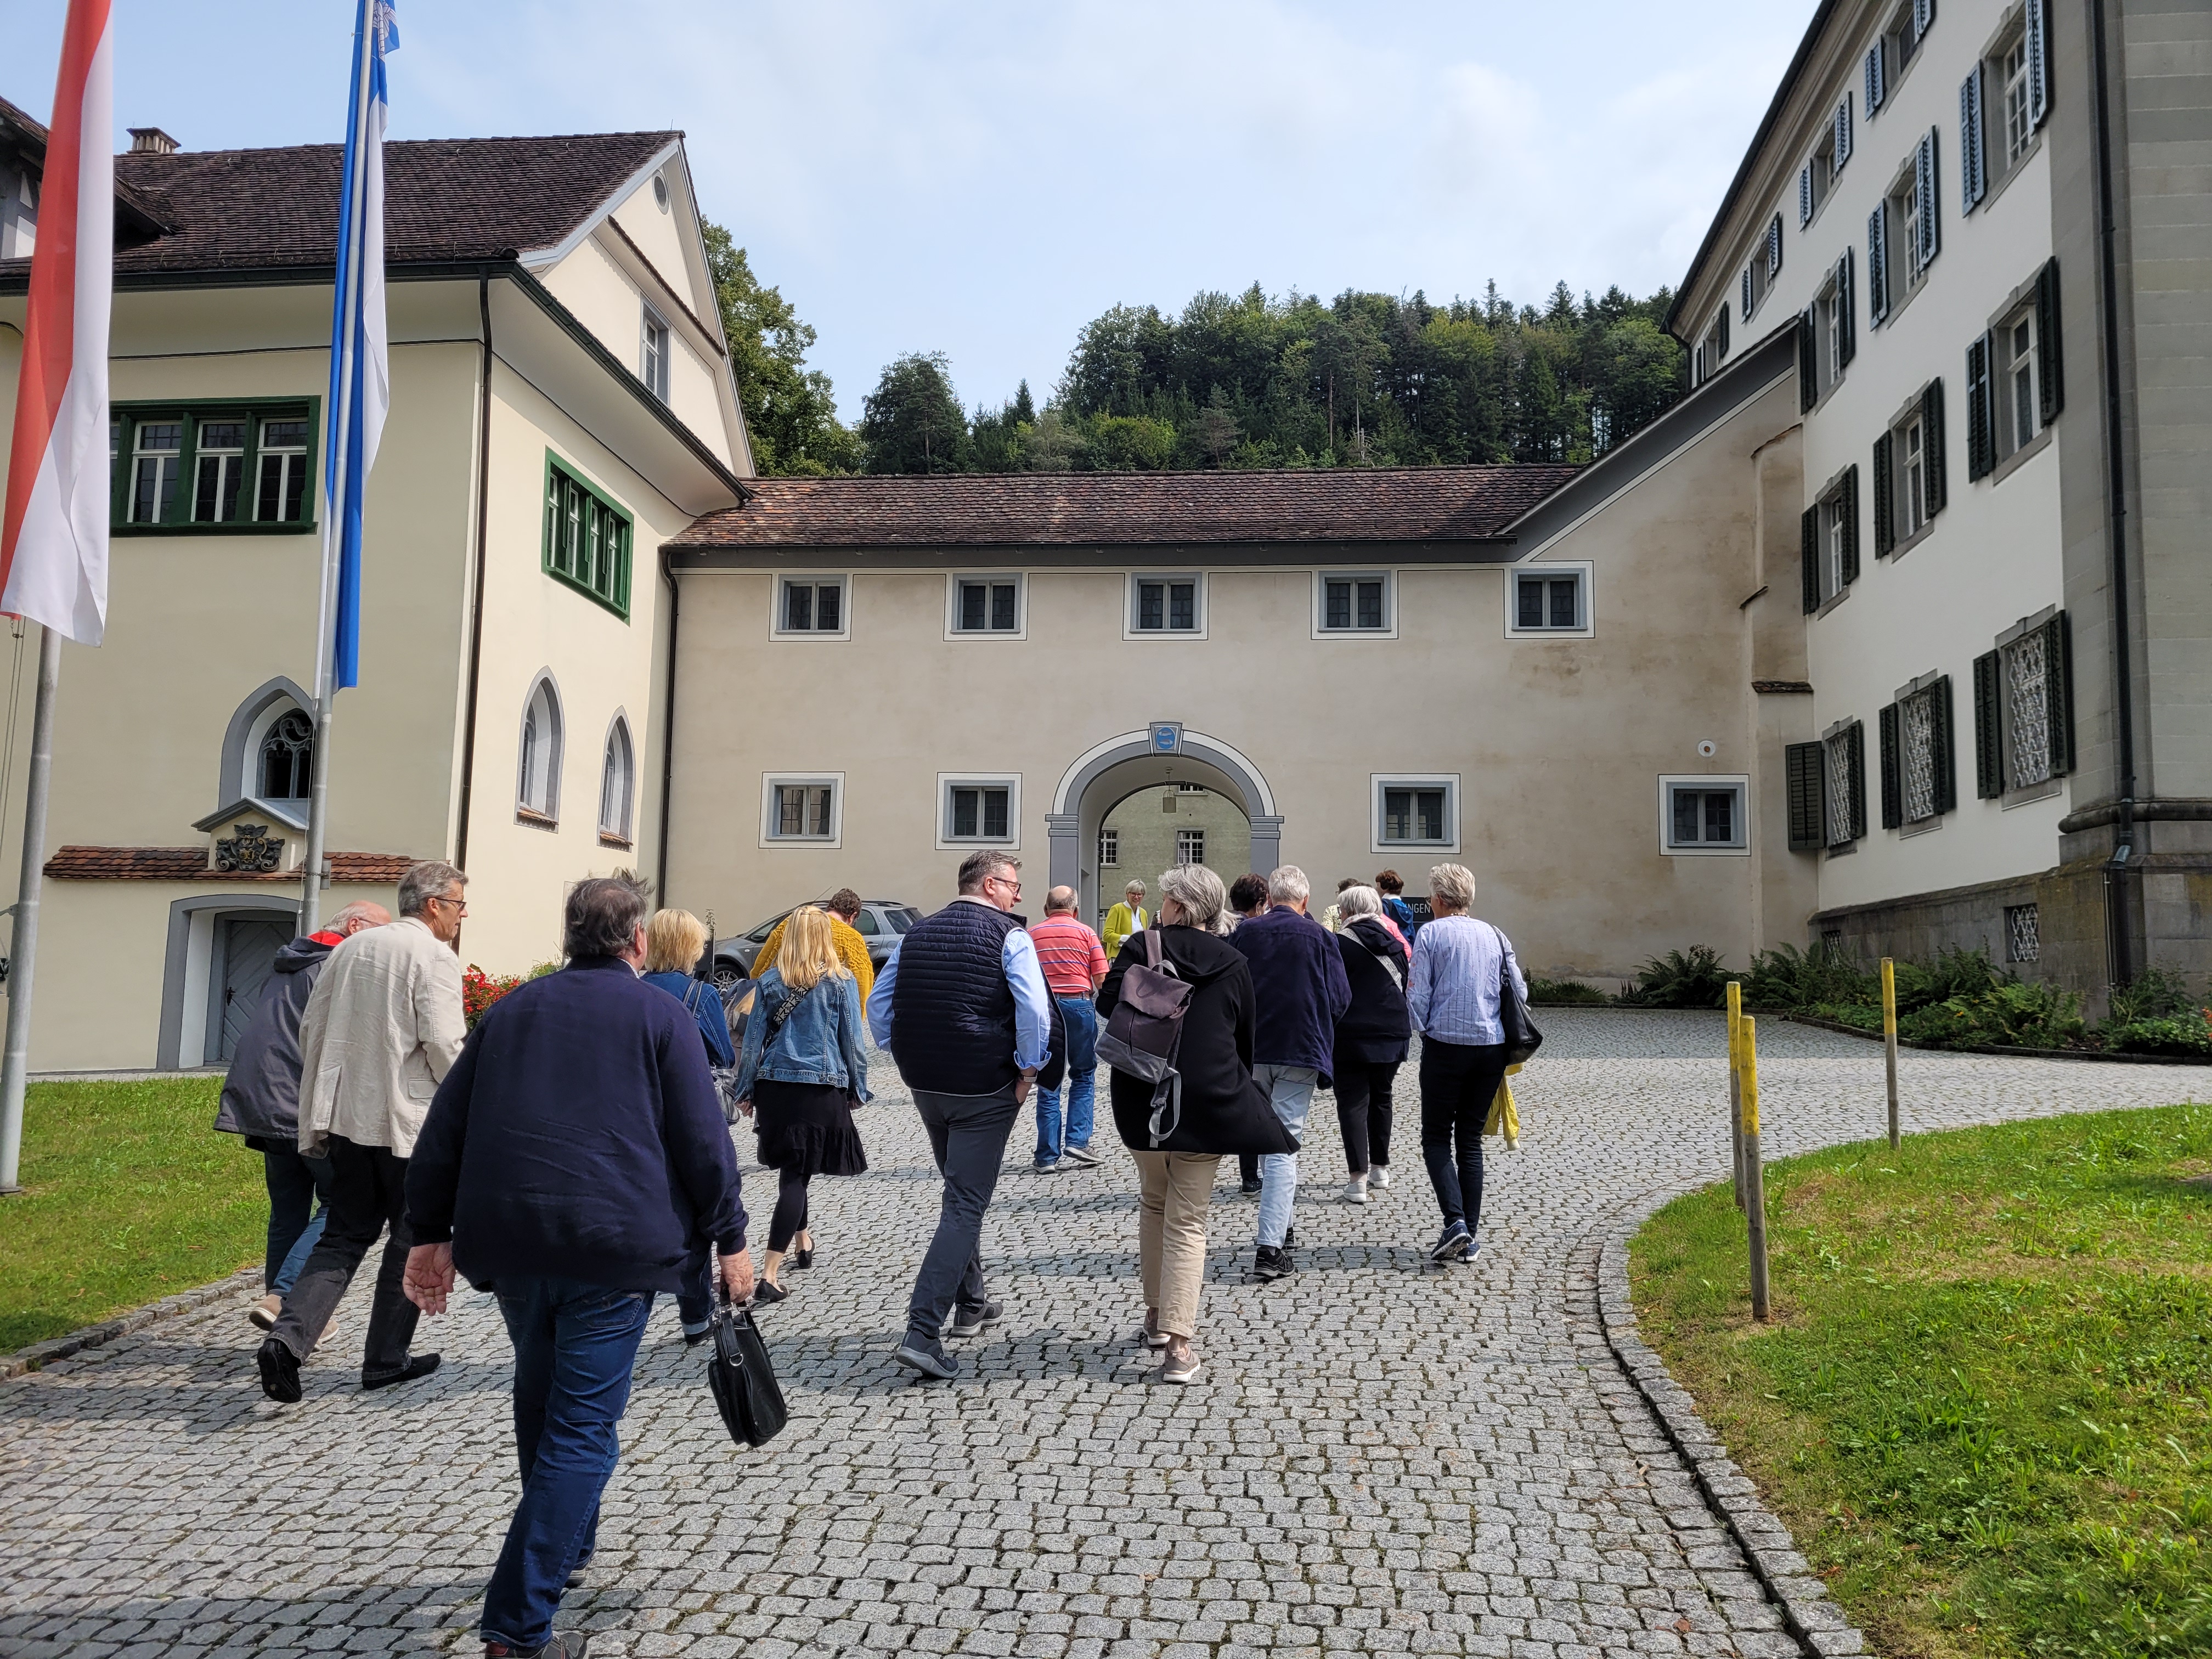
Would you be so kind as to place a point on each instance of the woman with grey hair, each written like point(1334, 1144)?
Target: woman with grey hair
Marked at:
point(1371, 1038)
point(1215, 1062)
point(1452, 995)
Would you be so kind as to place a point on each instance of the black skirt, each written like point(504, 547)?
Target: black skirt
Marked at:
point(806, 1129)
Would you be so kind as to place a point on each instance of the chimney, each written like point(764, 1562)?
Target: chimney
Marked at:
point(151, 140)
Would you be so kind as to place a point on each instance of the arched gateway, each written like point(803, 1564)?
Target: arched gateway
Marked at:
point(1163, 752)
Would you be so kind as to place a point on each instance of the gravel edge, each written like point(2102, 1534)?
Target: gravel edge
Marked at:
point(41, 1354)
point(1807, 1613)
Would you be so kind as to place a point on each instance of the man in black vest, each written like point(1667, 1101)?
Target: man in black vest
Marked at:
point(963, 1008)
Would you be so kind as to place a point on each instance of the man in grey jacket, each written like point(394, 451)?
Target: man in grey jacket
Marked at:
point(261, 1101)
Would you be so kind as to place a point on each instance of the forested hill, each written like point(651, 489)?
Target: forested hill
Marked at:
point(1234, 381)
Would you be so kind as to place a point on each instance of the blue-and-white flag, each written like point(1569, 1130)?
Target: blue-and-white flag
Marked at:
point(360, 367)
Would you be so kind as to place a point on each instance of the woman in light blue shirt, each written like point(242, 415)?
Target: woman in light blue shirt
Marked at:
point(1452, 993)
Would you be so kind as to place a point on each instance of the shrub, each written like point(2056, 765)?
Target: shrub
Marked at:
point(1787, 977)
point(1569, 991)
point(2155, 994)
point(1681, 979)
point(1954, 973)
point(479, 990)
point(1856, 1015)
point(2186, 1034)
point(2011, 1015)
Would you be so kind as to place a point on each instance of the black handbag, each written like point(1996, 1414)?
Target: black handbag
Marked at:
point(745, 1385)
point(1518, 1032)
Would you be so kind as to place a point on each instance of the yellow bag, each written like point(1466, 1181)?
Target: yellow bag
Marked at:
point(1504, 1119)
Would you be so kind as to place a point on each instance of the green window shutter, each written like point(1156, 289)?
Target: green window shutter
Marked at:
point(1877, 264)
point(1810, 537)
point(1802, 767)
point(1808, 372)
point(1973, 164)
point(1939, 712)
point(1847, 328)
point(1855, 741)
point(1849, 500)
point(1885, 512)
point(1931, 445)
point(1989, 752)
point(1981, 422)
point(1893, 779)
point(2059, 656)
point(2050, 365)
point(2039, 62)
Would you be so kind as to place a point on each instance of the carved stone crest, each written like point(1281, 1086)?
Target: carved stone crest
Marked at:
point(252, 850)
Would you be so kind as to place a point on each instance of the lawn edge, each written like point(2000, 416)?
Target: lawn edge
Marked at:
point(40, 1355)
point(1808, 1613)
point(2095, 1056)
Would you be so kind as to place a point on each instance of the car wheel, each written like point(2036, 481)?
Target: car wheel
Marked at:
point(728, 976)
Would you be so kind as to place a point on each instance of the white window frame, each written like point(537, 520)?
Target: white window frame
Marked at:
point(167, 464)
point(815, 579)
point(1009, 781)
point(654, 343)
point(619, 829)
point(1104, 862)
point(1585, 572)
point(1185, 836)
point(2005, 371)
point(771, 781)
point(1740, 782)
point(1020, 630)
point(1129, 628)
point(548, 815)
point(1379, 781)
point(1322, 630)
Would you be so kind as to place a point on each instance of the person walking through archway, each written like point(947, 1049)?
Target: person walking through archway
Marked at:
point(1073, 963)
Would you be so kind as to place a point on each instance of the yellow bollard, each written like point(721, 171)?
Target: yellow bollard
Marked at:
point(1889, 1040)
point(1736, 1097)
point(1754, 1193)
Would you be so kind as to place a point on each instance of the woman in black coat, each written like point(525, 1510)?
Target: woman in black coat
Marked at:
point(1371, 1039)
point(1215, 1060)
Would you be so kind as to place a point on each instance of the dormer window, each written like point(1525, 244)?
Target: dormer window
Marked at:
point(653, 367)
point(288, 759)
point(19, 213)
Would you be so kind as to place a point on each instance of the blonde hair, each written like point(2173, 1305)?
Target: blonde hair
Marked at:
point(674, 942)
point(808, 953)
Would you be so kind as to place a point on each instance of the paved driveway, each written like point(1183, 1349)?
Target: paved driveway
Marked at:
point(1386, 1459)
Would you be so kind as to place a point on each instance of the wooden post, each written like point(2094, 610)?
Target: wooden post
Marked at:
point(1734, 1091)
point(1889, 1041)
point(1755, 1196)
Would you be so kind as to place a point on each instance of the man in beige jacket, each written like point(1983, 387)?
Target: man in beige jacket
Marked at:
point(381, 1030)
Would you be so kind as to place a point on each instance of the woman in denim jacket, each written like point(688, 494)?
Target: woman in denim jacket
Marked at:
point(800, 1074)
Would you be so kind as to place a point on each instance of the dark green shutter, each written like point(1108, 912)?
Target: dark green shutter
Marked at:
point(1849, 500)
point(1877, 265)
point(1931, 445)
point(2050, 366)
point(1810, 525)
point(2058, 683)
point(1885, 513)
point(1989, 730)
point(1855, 767)
point(1893, 780)
point(1981, 423)
point(1939, 724)
point(1808, 364)
point(1847, 328)
point(1802, 767)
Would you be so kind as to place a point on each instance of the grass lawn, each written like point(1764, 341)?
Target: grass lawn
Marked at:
point(128, 1196)
point(1983, 1407)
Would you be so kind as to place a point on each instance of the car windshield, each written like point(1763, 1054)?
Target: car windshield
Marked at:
point(904, 918)
point(865, 923)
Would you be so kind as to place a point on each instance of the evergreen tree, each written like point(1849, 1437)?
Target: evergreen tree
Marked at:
point(913, 422)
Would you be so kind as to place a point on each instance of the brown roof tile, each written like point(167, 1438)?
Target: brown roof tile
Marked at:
point(191, 864)
point(1346, 504)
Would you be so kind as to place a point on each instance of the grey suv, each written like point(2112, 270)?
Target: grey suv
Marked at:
point(881, 921)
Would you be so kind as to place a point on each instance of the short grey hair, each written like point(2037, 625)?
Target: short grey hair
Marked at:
point(1453, 884)
point(602, 916)
point(1199, 893)
point(1358, 900)
point(432, 879)
point(1134, 886)
point(1060, 902)
point(978, 867)
point(1289, 885)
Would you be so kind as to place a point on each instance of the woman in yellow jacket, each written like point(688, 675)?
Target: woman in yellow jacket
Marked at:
point(1123, 919)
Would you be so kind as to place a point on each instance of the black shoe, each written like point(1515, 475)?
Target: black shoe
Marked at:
point(565, 1644)
point(926, 1355)
point(970, 1321)
point(1250, 1188)
point(421, 1365)
point(576, 1574)
point(768, 1291)
point(803, 1258)
point(1453, 1241)
point(1271, 1261)
point(280, 1372)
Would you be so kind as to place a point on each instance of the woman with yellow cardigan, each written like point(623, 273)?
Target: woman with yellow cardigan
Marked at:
point(1124, 920)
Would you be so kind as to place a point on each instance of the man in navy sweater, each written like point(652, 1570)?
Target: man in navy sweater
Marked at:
point(570, 1159)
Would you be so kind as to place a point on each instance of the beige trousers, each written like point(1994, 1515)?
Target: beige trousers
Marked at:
point(1174, 1191)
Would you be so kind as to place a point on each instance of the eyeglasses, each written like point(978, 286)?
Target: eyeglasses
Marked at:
point(1013, 882)
point(461, 904)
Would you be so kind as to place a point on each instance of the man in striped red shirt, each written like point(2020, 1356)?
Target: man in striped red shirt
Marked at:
point(1074, 963)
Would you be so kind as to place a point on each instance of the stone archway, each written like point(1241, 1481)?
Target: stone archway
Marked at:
point(1109, 771)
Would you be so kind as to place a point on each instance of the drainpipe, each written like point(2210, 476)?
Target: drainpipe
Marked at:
point(476, 603)
point(2118, 870)
point(668, 730)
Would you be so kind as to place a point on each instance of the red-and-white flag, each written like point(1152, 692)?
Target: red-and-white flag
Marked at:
point(53, 537)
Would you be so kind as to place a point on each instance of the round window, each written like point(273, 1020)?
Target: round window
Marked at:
point(660, 191)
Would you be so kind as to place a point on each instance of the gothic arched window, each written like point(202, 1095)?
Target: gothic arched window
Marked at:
point(287, 769)
point(537, 789)
point(618, 783)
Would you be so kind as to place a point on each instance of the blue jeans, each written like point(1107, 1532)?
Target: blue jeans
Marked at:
point(1081, 1020)
point(1292, 1089)
point(574, 1347)
point(297, 1186)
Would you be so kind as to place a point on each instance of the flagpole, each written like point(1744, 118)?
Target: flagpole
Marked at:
point(23, 949)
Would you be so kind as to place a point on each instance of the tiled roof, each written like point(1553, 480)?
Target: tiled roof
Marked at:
point(1344, 504)
point(462, 198)
point(191, 864)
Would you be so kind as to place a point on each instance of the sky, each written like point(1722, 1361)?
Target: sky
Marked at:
point(983, 178)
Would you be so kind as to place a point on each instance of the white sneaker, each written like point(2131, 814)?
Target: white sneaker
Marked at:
point(1381, 1176)
point(1355, 1190)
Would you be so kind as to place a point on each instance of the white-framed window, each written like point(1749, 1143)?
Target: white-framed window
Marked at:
point(652, 354)
point(1166, 604)
point(156, 448)
point(618, 783)
point(1355, 602)
point(1110, 849)
point(219, 470)
point(1842, 761)
point(811, 607)
point(1835, 546)
point(1190, 789)
point(1705, 814)
point(284, 761)
point(283, 481)
point(802, 809)
point(985, 606)
point(2018, 409)
point(1712, 346)
point(537, 771)
point(1549, 598)
point(1190, 847)
point(979, 808)
point(1414, 810)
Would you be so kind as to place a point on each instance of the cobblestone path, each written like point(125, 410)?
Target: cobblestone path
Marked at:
point(1384, 1459)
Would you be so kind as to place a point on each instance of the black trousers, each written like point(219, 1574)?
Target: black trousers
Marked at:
point(789, 1219)
point(1458, 1083)
point(1365, 1112)
point(369, 1192)
point(968, 1136)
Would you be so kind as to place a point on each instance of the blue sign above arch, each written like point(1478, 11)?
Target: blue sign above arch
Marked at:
point(1167, 737)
